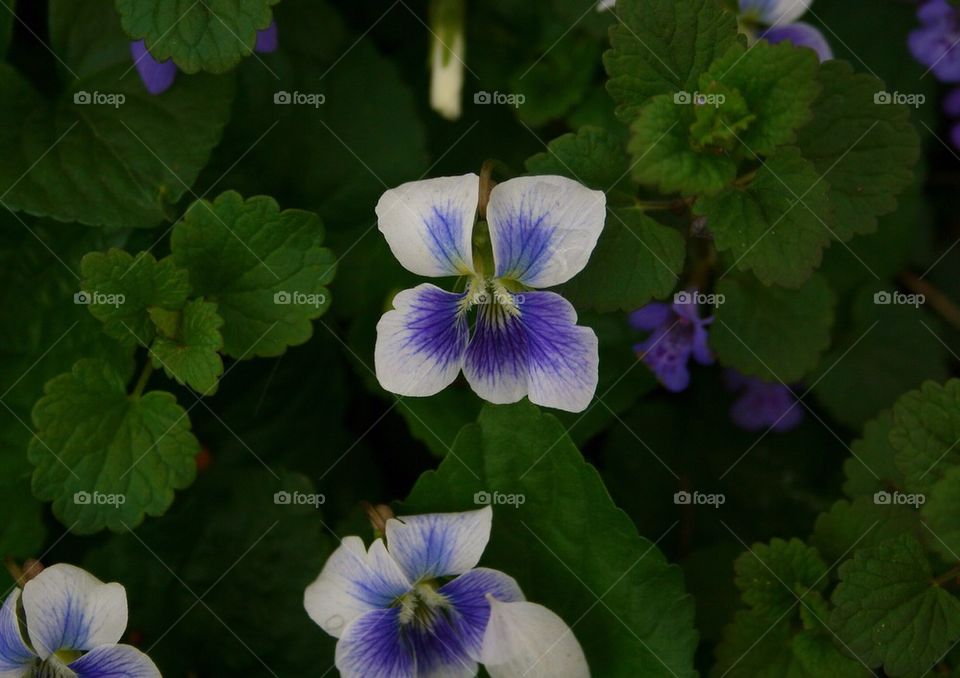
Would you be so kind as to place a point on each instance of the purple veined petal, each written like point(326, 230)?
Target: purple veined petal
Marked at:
point(267, 40)
point(651, 316)
point(68, 608)
point(114, 661)
point(439, 544)
point(936, 43)
point(468, 595)
point(15, 655)
point(538, 351)
point(951, 103)
point(666, 352)
point(802, 35)
point(527, 639)
point(421, 343)
point(372, 647)
point(354, 581)
point(543, 228)
point(439, 649)
point(763, 405)
point(429, 224)
point(774, 12)
point(157, 77)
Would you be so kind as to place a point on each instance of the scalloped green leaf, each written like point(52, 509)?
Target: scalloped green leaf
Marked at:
point(191, 354)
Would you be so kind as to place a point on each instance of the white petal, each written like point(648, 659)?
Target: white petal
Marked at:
point(439, 544)
point(353, 581)
point(446, 76)
point(69, 609)
point(544, 228)
point(526, 639)
point(429, 224)
point(421, 343)
point(15, 655)
point(774, 12)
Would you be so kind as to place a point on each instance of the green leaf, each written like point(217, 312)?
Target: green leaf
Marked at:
point(940, 513)
point(865, 371)
point(662, 47)
point(636, 259)
point(872, 466)
point(666, 155)
point(117, 165)
point(192, 355)
point(778, 83)
point(567, 543)
point(864, 149)
point(121, 290)
point(773, 333)
point(772, 576)
point(105, 458)
point(925, 432)
point(592, 156)
point(265, 269)
point(213, 35)
point(862, 523)
point(775, 226)
point(890, 612)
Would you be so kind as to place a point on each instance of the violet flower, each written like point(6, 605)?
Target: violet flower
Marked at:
point(677, 333)
point(762, 404)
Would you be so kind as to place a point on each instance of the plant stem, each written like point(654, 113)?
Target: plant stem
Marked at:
point(143, 379)
point(939, 301)
point(15, 571)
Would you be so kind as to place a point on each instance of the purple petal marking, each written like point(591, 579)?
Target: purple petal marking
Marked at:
point(267, 40)
point(467, 593)
point(681, 335)
point(802, 35)
point(523, 249)
point(115, 661)
point(157, 77)
point(936, 43)
point(438, 544)
point(372, 647)
point(496, 364)
point(14, 652)
point(651, 316)
point(763, 404)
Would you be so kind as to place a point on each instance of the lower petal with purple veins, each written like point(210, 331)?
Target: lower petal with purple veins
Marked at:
point(373, 646)
point(115, 661)
point(15, 656)
point(468, 595)
point(421, 344)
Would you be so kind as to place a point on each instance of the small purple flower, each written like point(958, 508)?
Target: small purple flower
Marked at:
point(935, 43)
point(677, 332)
point(779, 21)
point(762, 404)
point(158, 76)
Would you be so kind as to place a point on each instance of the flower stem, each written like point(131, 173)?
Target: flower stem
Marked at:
point(142, 380)
point(16, 573)
point(939, 301)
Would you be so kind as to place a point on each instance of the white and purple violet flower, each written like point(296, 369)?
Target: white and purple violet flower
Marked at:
point(539, 232)
point(778, 22)
point(67, 623)
point(415, 605)
point(158, 76)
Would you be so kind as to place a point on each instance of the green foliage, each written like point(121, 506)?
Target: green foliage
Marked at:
point(771, 577)
point(212, 35)
point(190, 353)
point(567, 544)
point(925, 431)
